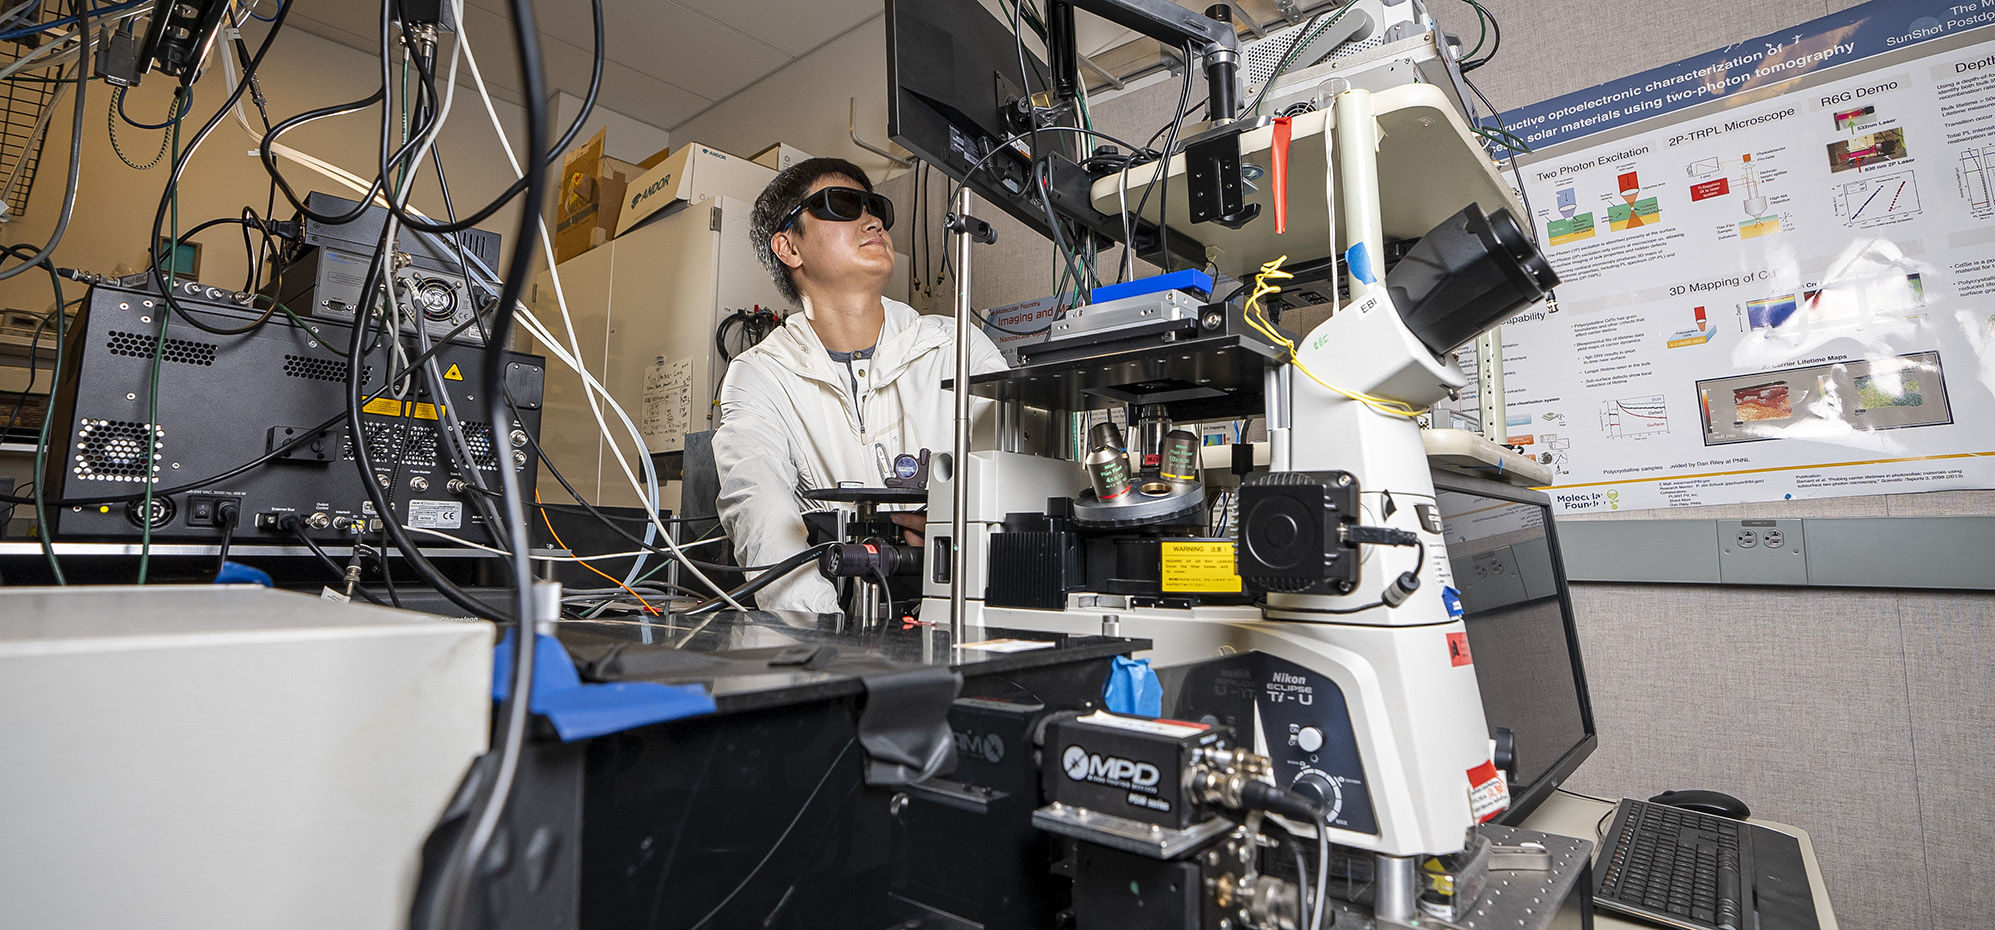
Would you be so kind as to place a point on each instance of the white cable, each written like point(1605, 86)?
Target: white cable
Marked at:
point(348, 179)
point(59, 46)
point(649, 490)
point(554, 558)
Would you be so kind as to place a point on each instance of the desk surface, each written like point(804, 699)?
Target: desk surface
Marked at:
point(758, 659)
point(1572, 815)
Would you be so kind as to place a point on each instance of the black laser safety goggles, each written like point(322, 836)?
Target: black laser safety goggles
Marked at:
point(842, 205)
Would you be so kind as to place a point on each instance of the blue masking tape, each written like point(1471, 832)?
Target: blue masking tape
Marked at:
point(1133, 689)
point(238, 573)
point(1359, 259)
point(581, 711)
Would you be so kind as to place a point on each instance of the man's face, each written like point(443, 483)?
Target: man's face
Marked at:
point(825, 253)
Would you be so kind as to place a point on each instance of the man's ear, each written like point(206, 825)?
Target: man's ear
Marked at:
point(785, 249)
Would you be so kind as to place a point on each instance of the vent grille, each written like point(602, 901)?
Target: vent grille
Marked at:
point(140, 345)
point(118, 450)
point(420, 443)
point(1258, 61)
point(478, 438)
point(415, 443)
point(321, 369)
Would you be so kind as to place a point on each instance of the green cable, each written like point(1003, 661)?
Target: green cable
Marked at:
point(1482, 32)
point(331, 344)
point(158, 353)
point(41, 444)
point(1289, 57)
point(402, 173)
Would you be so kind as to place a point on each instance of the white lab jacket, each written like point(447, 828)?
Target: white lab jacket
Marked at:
point(789, 423)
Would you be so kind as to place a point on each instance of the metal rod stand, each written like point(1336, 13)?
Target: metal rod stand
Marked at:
point(959, 460)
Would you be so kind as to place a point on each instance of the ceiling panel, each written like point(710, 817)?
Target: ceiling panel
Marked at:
point(627, 91)
point(678, 45)
point(793, 27)
point(656, 37)
point(666, 61)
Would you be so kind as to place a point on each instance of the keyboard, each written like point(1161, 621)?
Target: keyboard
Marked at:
point(1684, 869)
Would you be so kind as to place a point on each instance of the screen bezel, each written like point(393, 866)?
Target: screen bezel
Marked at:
point(1522, 804)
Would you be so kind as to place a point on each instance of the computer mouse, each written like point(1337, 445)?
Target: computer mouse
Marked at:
point(1716, 803)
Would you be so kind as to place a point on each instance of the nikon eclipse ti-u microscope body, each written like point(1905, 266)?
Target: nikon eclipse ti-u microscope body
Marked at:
point(1322, 623)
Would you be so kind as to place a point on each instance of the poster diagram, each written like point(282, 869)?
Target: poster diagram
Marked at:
point(1876, 200)
point(1769, 312)
point(1779, 335)
point(1634, 211)
point(1866, 150)
point(1869, 301)
point(1716, 178)
point(1542, 438)
point(1856, 120)
point(1634, 417)
point(1976, 175)
point(1572, 225)
point(1824, 400)
point(1695, 336)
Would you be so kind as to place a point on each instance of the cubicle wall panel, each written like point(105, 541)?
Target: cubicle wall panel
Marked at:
point(1795, 701)
point(1950, 653)
point(1942, 504)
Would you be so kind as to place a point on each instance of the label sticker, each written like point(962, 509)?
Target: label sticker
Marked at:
point(1175, 729)
point(452, 374)
point(1458, 650)
point(1199, 567)
point(426, 411)
point(436, 515)
point(383, 406)
point(328, 594)
point(1010, 645)
point(667, 414)
point(1452, 599)
point(1488, 794)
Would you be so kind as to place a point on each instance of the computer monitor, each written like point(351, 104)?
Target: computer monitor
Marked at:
point(953, 79)
point(1503, 551)
point(952, 71)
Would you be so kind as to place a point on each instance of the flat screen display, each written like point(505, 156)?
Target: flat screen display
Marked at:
point(1503, 551)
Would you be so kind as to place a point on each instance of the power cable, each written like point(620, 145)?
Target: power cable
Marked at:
point(180, 166)
point(768, 577)
point(469, 861)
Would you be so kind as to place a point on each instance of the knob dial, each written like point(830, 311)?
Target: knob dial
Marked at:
point(1309, 739)
point(1321, 790)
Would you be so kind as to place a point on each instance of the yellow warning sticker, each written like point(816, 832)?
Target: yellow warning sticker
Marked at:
point(1199, 567)
point(384, 406)
point(453, 374)
point(425, 411)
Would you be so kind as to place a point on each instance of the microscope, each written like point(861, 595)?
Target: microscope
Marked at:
point(1312, 617)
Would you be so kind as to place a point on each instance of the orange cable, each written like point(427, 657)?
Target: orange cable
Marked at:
point(544, 518)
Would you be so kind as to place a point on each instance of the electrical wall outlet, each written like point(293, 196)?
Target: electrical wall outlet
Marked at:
point(1761, 552)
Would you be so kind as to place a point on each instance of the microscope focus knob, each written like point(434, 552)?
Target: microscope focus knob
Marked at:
point(1320, 790)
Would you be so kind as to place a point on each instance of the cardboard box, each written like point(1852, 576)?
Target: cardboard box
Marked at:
point(780, 156)
point(591, 196)
point(693, 172)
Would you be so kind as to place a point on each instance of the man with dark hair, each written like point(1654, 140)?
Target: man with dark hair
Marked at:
point(806, 407)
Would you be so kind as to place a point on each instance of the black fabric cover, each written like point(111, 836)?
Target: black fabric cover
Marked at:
point(904, 725)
